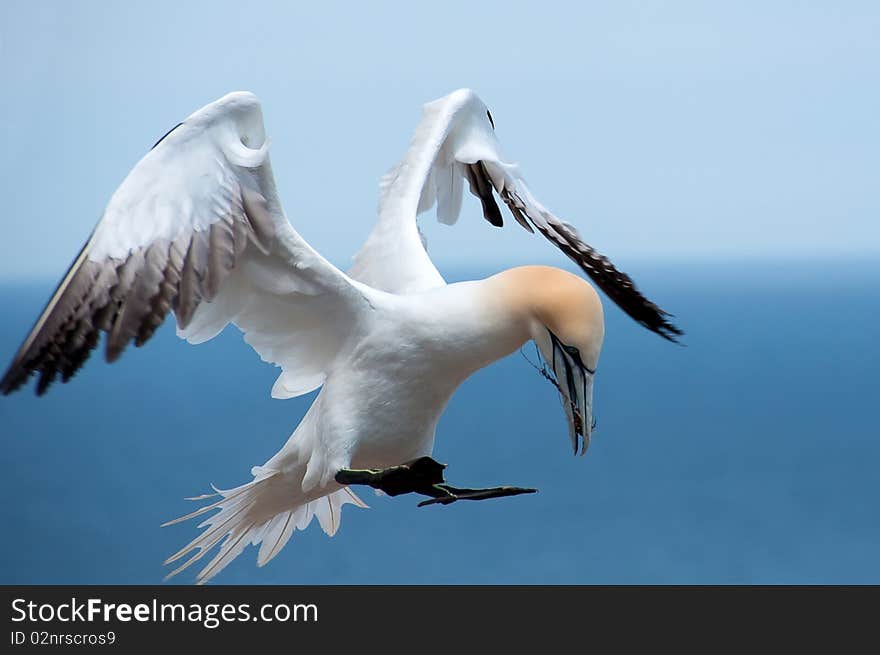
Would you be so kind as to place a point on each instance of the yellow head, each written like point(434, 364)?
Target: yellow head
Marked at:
point(564, 318)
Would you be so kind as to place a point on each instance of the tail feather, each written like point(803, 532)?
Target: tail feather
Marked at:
point(297, 519)
point(329, 509)
point(225, 500)
point(233, 545)
point(199, 554)
point(210, 537)
point(277, 533)
point(263, 513)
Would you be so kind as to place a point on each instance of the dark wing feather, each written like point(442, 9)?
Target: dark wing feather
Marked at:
point(618, 286)
point(481, 186)
point(129, 298)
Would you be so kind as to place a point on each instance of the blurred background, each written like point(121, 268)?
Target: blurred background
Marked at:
point(727, 157)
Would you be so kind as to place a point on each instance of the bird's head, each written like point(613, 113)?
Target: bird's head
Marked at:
point(565, 320)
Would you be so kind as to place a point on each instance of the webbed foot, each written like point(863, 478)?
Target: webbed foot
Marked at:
point(422, 476)
point(447, 494)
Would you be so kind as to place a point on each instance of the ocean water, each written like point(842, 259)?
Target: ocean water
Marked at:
point(748, 456)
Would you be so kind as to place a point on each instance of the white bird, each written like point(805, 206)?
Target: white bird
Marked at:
point(197, 228)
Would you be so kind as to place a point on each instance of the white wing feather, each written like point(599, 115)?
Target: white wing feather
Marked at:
point(197, 228)
point(454, 131)
point(455, 140)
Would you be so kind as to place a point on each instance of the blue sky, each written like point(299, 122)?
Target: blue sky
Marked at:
point(662, 130)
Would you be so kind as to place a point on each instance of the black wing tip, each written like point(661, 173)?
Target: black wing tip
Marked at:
point(8, 389)
point(18, 376)
point(667, 330)
point(20, 373)
point(493, 215)
point(480, 185)
point(658, 324)
point(617, 285)
point(14, 379)
point(646, 313)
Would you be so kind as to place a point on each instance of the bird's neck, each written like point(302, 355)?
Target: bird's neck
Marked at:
point(463, 327)
point(488, 319)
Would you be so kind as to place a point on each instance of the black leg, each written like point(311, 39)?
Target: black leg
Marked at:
point(422, 476)
point(412, 477)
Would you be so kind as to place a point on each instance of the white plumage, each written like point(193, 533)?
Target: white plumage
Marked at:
point(197, 228)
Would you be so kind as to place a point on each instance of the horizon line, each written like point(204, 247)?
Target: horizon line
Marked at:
point(709, 260)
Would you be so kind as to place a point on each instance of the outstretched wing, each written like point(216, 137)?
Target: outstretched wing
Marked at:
point(455, 142)
point(196, 228)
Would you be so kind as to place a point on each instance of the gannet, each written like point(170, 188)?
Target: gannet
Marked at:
point(197, 229)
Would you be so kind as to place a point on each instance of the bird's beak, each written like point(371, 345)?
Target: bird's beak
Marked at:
point(575, 384)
